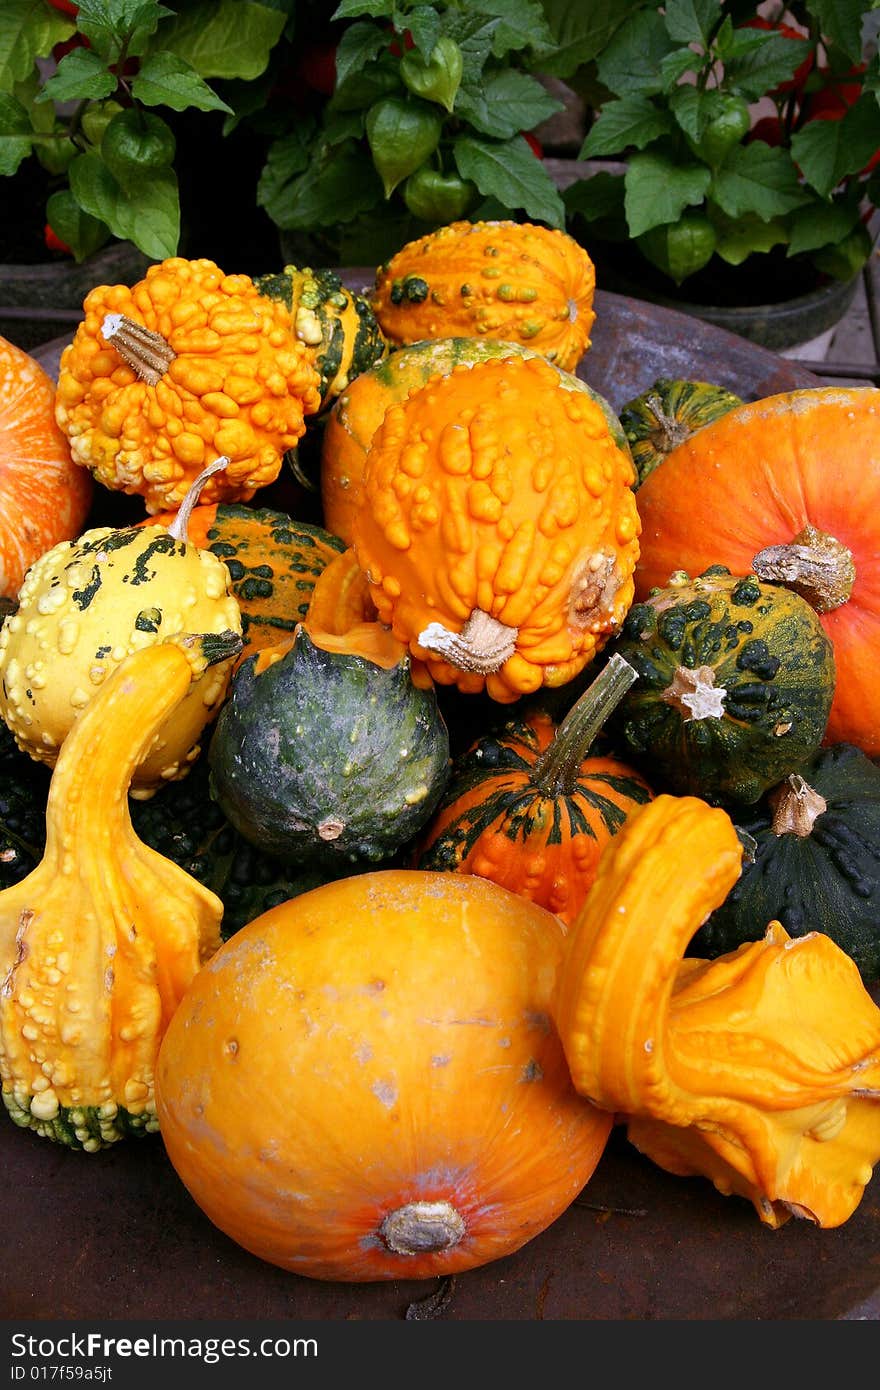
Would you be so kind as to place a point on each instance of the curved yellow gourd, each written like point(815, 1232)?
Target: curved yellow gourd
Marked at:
point(99, 942)
point(760, 1069)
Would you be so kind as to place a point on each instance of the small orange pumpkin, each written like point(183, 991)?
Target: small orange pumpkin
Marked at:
point(44, 496)
point(365, 1082)
point(499, 529)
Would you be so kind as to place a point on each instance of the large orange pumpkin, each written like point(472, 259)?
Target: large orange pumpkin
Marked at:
point(365, 1082)
point(44, 495)
point(787, 487)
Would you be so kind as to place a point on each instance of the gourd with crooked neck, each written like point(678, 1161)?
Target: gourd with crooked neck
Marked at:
point(99, 942)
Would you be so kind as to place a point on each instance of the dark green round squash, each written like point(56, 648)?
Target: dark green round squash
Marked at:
point(735, 685)
point(815, 865)
point(328, 757)
point(667, 414)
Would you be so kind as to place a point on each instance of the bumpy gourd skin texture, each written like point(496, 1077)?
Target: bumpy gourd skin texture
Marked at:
point(86, 605)
point(496, 490)
point(239, 385)
point(760, 1069)
point(525, 284)
point(99, 942)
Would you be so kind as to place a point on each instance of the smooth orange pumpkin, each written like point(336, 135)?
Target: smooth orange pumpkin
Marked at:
point(365, 1082)
point(44, 496)
point(788, 488)
point(499, 529)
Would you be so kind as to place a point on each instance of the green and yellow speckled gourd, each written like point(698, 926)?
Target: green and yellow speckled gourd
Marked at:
point(99, 942)
point(667, 414)
point(87, 604)
point(336, 324)
point(273, 561)
point(736, 679)
point(511, 280)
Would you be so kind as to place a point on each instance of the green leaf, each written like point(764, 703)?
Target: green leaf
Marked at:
point(631, 62)
point(822, 226)
point(626, 123)
point(110, 25)
point(758, 179)
point(360, 89)
point(16, 133)
point(658, 190)
point(359, 45)
point(350, 9)
point(739, 237)
point(149, 218)
point(581, 32)
point(692, 21)
point(827, 151)
point(474, 34)
point(288, 157)
point(340, 126)
point(167, 80)
point(674, 66)
point(335, 189)
point(509, 171)
point(29, 29)
point(840, 22)
point(599, 200)
point(223, 38)
point(81, 75)
point(507, 102)
point(756, 72)
point(425, 26)
point(82, 233)
point(688, 106)
point(521, 24)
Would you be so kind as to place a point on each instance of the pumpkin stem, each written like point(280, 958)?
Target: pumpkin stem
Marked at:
point(796, 807)
point(421, 1227)
point(177, 529)
point(483, 645)
point(555, 771)
point(147, 353)
point(693, 693)
point(668, 430)
point(815, 565)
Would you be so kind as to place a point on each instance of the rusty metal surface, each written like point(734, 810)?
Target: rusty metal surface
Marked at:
point(116, 1235)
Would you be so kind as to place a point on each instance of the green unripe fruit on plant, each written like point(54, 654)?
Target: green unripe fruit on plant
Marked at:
point(436, 78)
point(134, 143)
point(439, 198)
point(402, 135)
point(680, 248)
point(728, 123)
point(56, 153)
point(96, 118)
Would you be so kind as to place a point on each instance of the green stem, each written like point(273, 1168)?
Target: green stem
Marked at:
point(556, 770)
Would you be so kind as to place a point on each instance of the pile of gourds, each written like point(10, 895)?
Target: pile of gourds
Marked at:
point(565, 722)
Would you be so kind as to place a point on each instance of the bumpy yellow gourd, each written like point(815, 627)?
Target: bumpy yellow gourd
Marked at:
point(87, 604)
point(99, 942)
point(759, 1069)
point(186, 364)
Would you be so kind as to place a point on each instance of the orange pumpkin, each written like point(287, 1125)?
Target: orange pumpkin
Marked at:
point(44, 496)
point(499, 529)
point(787, 488)
point(365, 1082)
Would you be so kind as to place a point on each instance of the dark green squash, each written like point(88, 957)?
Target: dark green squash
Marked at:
point(735, 685)
point(336, 322)
point(327, 757)
point(667, 414)
point(815, 862)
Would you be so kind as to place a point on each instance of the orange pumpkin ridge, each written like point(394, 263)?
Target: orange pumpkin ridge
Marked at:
point(46, 496)
point(760, 476)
